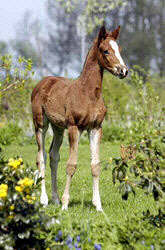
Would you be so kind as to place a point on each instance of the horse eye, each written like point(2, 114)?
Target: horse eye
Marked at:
point(106, 52)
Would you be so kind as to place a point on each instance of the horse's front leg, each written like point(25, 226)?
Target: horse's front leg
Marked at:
point(74, 135)
point(95, 137)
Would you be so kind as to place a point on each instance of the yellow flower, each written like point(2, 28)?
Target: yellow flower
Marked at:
point(3, 194)
point(26, 182)
point(28, 197)
point(20, 160)
point(14, 163)
point(12, 207)
point(4, 187)
point(19, 188)
point(10, 217)
point(3, 190)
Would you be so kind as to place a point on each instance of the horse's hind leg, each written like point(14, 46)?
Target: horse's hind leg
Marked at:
point(41, 159)
point(74, 135)
point(54, 159)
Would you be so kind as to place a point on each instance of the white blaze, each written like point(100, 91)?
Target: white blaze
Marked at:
point(115, 47)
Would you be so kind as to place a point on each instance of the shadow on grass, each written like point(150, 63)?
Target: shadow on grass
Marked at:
point(87, 204)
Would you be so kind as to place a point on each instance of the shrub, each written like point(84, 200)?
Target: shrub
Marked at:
point(112, 132)
point(21, 218)
point(10, 133)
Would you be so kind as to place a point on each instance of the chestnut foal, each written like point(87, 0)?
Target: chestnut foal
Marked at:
point(75, 105)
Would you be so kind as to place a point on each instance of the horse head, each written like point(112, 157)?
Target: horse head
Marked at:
point(108, 52)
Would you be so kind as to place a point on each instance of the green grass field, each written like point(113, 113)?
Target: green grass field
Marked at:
point(81, 212)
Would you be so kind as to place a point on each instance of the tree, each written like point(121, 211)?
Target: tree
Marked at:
point(62, 44)
point(142, 32)
point(91, 15)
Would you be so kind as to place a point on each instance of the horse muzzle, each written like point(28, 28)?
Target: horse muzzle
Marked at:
point(121, 71)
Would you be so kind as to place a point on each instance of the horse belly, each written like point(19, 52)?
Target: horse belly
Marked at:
point(55, 112)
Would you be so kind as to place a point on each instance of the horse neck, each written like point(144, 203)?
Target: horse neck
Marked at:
point(92, 74)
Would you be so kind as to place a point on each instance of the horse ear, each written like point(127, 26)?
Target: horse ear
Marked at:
point(102, 35)
point(115, 33)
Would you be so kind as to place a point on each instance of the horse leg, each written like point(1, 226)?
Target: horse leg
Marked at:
point(74, 135)
point(95, 137)
point(41, 161)
point(54, 159)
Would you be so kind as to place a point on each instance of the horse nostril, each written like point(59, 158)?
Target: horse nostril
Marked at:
point(121, 72)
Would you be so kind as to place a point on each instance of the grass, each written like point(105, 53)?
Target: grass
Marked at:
point(81, 211)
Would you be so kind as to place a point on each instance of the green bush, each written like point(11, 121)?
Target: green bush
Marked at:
point(21, 218)
point(112, 132)
point(10, 133)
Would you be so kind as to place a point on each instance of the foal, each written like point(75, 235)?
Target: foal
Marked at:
point(75, 105)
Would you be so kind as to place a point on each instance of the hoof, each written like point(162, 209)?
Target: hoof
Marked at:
point(97, 205)
point(99, 209)
point(44, 200)
point(56, 201)
point(64, 207)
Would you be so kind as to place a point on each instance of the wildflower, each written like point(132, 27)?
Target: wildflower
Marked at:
point(78, 238)
point(3, 194)
point(12, 207)
point(76, 245)
point(26, 182)
point(20, 160)
point(3, 190)
point(56, 239)
point(69, 240)
point(97, 247)
point(28, 197)
point(14, 163)
point(60, 234)
point(19, 188)
point(10, 217)
point(4, 187)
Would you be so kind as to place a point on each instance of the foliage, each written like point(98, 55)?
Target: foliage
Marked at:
point(92, 12)
point(113, 132)
point(137, 233)
point(116, 95)
point(15, 88)
point(21, 218)
point(13, 74)
point(10, 133)
point(146, 161)
point(142, 160)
